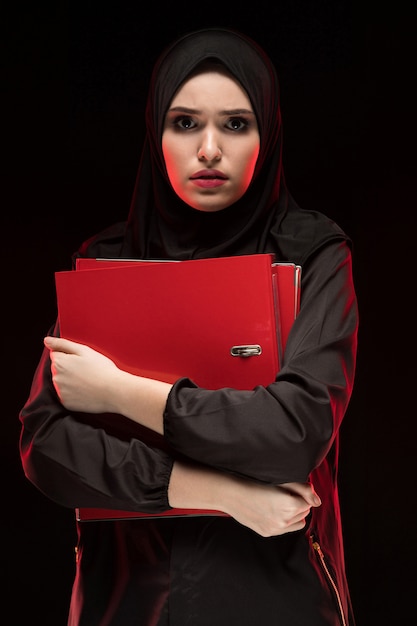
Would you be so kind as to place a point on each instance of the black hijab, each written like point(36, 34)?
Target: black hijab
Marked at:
point(266, 219)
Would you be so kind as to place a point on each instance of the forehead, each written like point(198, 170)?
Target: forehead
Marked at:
point(211, 86)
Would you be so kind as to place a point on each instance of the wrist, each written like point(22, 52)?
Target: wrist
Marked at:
point(113, 391)
point(140, 399)
point(196, 487)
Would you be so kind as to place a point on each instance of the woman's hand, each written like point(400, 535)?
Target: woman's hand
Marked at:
point(82, 377)
point(267, 509)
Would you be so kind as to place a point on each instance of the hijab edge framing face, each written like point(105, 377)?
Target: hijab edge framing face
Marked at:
point(160, 224)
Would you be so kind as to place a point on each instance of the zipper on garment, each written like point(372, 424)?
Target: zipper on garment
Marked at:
point(330, 579)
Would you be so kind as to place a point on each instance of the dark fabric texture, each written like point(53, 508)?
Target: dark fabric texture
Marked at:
point(201, 571)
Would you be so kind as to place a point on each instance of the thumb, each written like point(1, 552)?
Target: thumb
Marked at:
point(312, 496)
point(61, 345)
point(305, 490)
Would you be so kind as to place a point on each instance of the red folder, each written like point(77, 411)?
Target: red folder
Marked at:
point(222, 322)
point(286, 277)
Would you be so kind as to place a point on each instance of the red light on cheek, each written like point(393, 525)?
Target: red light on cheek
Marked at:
point(172, 171)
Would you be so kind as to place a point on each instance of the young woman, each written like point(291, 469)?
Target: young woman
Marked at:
point(210, 183)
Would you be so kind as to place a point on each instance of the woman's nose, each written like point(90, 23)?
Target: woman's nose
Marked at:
point(209, 150)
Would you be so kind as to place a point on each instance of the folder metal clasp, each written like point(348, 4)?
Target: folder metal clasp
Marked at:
point(246, 350)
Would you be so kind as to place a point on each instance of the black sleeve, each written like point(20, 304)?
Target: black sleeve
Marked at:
point(79, 464)
point(281, 432)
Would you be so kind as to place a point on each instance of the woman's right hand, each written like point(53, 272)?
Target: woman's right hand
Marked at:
point(266, 509)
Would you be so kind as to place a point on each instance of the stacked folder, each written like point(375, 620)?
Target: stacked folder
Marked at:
point(223, 322)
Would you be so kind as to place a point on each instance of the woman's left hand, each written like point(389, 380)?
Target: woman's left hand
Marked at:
point(82, 377)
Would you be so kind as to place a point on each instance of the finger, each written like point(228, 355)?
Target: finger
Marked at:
point(289, 527)
point(305, 491)
point(62, 345)
point(296, 526)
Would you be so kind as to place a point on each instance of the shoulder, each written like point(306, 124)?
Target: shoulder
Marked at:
point(104, 244)
point(301, 233)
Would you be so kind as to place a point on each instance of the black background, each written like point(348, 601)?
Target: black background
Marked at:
point(75, 83)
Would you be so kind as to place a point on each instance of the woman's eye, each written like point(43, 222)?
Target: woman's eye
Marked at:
point(184, 122)
point(237, 123)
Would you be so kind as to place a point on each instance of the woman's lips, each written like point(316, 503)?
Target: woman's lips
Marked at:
point(208, 178)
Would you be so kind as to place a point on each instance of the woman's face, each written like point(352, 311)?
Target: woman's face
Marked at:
point(210, 141)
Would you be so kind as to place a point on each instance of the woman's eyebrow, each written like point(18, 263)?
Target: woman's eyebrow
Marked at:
point(180, 109)
point(237, 112)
